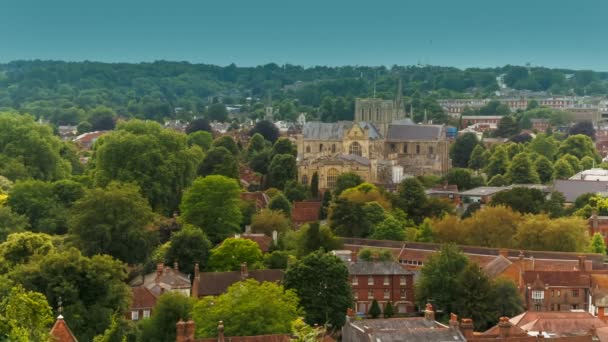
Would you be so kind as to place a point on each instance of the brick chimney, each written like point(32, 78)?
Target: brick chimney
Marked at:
point(220, 332)
point(504, 327)
point(181, 331)
point(190, 331)
point(594, 220)
point(466, 326)
point(244, 272)
point(353, 256)
point(504, 252)
point(429, 313)
point(453, 321)
point(160, 267)
point(581, 263)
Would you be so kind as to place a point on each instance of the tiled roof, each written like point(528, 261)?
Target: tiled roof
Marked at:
point(376, 268)
point(216, 283)
point(259, 338)
point(142, 298)
point(60, 332)
point(306, 211)
point(558, 322)
point(414, 132)
point(262, 240)
point(558, 278)
point(167, 279)
point(315, 130)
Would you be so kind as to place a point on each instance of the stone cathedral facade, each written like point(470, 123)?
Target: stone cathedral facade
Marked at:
point(382, 145)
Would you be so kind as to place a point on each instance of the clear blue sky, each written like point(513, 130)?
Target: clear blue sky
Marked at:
point(462, 33)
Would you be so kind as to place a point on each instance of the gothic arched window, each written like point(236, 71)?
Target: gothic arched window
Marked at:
point(332, 176)
point(355, 149)
point(305, 180)
point(333, 148)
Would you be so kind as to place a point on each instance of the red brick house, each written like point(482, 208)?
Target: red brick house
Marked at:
point(556, 290)
point(383, 281)
point(142, 305)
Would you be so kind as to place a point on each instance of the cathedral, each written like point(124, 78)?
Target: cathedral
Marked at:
point(382, 145)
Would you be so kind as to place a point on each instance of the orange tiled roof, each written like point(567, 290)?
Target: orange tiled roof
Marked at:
point(142, 298)
point(304, 212)
point(61, 332)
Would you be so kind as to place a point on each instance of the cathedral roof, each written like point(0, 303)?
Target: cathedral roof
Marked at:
point(414, 132)
point(325, 130)
point(316, 130)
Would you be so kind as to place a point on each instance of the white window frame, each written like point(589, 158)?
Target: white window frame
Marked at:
point(536, 294)
point(146, 313)
point(135, 315)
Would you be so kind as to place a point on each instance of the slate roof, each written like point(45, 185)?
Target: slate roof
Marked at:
point(60, 331)
point(216, 283)
point(414, 132)
point(325, 130)
point(496, 266)
point(376, 268)
point(399, 330)
point(572, 188)
point(316, 130)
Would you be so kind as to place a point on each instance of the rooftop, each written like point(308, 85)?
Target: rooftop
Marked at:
point(376, 268)
point(400, 132)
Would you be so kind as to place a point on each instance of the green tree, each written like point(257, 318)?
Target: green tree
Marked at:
point(544, 169)
point(158, 160)
point(281, 203)
point(91, 288)
point(212, 203)
point(389, 229)
point(498, 180)
point(477, 160)
point(202, 139)
point(498, 163)
point(411, 199)
point(506, 298)
point(37, 201)
point(187, 247)
point(345, 181)
point(20, 248)
point(113, 221)
point(374, 255)
point(587, 163)
point(321, 282)
point(507, 127)
point(562, 169)
point(29, 150)
point(268, 221)
point(24, 316)
point(197, 125)
point(267, 129)
point(228, 143)
point(374, 310)
point(296, 191)
point(256, 144)
point(313, 237)
point(217, 112)
point(573, 161)
point(219, 161)
point(462, 148)
point(564, 234)
point(314, 186)
point(388, 310)
point(169, 309)
point(248, 308)
point(325, 204)
point(544, 145)
point(579, 145)
point(284, 146)
point(597, 244)
point(439, 279)
point(463, 178)
point(425, 232)
point(11, 222)
point(282, 169)
point(522, 171)
point(475, 296)
point(233, 252)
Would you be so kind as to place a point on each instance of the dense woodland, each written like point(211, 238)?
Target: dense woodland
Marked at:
point(77, 233)
point(71, 93)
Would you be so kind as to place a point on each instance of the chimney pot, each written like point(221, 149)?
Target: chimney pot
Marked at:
point(504, 326)
point(504, 252)
point(220, 332)
point(453, 321)
point(466, 326)
point(429, 313)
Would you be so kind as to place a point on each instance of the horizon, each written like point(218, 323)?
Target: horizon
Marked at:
point(471, 34)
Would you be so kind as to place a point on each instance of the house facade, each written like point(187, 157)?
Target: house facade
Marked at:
point(383, 281)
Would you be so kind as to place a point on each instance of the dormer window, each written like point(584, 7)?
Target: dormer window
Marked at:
point(540, 294)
